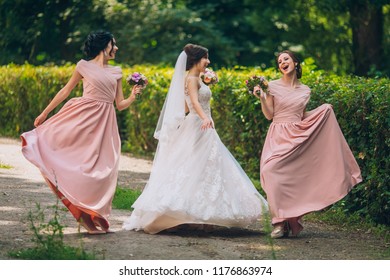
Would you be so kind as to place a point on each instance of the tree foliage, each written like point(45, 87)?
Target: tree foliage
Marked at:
point(46, 31)
point(346, 36)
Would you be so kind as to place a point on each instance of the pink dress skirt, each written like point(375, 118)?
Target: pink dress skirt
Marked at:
point(306, 163)
point(78, 149)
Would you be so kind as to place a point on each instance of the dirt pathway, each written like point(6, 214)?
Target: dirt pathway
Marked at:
point(22, 186)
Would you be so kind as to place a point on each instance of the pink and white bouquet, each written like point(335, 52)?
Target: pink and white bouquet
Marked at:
point(257, 81)
point(209, 77)
point(137, 78)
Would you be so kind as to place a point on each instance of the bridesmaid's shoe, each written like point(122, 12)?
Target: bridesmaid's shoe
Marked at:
point(296, 229)
point(296, 233)
point(99, 224)
point(96, 232)
point(280, 230)
point(91, 229)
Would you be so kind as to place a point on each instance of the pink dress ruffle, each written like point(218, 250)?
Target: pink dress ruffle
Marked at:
point(78, 149)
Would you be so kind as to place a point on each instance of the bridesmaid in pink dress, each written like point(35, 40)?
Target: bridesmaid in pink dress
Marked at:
point(77, 150)
point(306, 163)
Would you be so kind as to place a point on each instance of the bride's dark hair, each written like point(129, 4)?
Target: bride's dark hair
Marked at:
point(194, 54)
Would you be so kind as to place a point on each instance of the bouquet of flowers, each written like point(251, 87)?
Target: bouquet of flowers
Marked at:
point(257, 81)
point(209, 77)
point(137, 78)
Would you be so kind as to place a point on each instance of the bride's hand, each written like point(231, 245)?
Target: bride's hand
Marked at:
point(207, 123)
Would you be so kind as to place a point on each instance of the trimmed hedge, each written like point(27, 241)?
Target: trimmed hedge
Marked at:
point(361, 106)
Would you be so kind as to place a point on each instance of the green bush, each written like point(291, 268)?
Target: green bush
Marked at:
point(362, 109)
point(25, 91)
point(361, 106)
point(124, 198)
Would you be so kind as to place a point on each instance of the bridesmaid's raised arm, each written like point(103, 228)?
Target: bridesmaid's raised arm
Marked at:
point(60, 96)
point(120, 101)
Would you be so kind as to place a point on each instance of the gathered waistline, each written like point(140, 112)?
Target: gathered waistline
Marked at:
point(286, 121)
point(105, 101)
point(194, 113)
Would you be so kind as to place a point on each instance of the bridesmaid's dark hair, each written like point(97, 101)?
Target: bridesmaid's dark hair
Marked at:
point(96, 42)
point(298, 68)
point(194, 54)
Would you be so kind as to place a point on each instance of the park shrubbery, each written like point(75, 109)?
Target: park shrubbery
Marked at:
point(361, 106)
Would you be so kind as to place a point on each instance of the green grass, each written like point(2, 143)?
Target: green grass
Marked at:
point(124, 198)
point(5, 166)
point(61, 252)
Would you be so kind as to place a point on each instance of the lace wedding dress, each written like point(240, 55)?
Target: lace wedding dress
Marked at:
point(195, 180)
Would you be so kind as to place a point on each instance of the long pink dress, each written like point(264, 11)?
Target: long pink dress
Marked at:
point(306, 163)
point(78, 149)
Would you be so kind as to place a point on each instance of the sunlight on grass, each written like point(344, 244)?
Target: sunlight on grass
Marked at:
point(124, 198)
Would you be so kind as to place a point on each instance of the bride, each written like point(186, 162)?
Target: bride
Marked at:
point(194, 178)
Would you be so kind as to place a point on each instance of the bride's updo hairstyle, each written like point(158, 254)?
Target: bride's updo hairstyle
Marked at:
point(194, 54)
point(96, 42)
point(298, 68)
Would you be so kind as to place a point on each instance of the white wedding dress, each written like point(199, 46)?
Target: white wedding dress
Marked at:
point(195, 180)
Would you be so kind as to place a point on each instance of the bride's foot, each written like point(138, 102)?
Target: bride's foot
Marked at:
point(173, 229)
point(280, 230)
point(209, 228)
point(195, 226)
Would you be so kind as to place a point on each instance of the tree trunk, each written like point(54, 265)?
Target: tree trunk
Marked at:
point(367, 34)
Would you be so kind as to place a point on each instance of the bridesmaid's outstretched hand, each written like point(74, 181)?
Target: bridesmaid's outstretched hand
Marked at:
point(40, 119)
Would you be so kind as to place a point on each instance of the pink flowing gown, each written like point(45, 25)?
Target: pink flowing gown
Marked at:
point(78, 149)
point(306, 163)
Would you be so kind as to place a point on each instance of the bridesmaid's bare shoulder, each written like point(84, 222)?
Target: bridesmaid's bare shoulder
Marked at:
point(305, 88)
